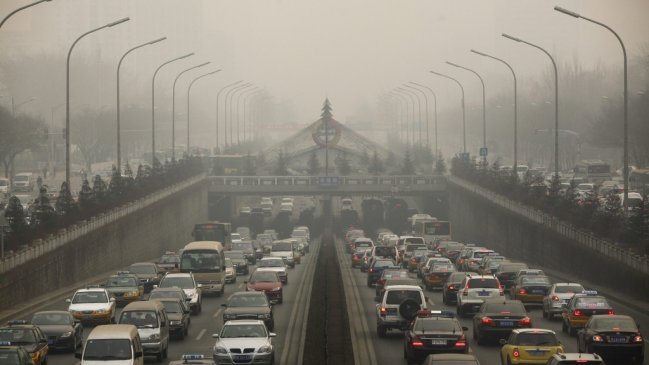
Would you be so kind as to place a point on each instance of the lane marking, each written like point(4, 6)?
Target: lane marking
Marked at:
point(200, 334)
point(218, 313)
point(240, 285)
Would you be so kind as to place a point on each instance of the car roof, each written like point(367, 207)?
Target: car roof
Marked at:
point(180, 274)
point(534, 330)
point(247, 293)
point(243, 322)
point(112, 331)
point(403, 287)
point(143, 305)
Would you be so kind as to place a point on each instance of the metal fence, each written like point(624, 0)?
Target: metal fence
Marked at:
point(608, 248)
point(42, 246)
point(318, 180)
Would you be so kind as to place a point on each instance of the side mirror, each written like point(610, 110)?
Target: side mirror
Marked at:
point(465, 328)
point(77, 355)
point(271, 334)
point(188, 299)
point(215, 335)
point(112, 299)
point(68, 300)
point(138, 354)
point(224, 305)
point(503, 342)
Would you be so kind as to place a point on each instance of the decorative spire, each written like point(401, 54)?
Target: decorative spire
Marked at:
point(326, 111)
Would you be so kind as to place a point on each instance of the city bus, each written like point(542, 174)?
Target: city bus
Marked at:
point(432, 230)
point(206, 261)
point(594, 171)
point(214, 231)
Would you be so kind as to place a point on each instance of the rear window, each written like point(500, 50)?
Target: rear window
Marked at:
point(411, 247)
point(384, 263)
point(488, 283)
point(569, 289)
point(481, 254)
point(511, 267)
point(443, 267)
point(435, 325)
point(384, 251)
point(592, 302)
point(537, 339)
point(614, 324)
point(535, 280)
point(505, 308)
point(398, 296)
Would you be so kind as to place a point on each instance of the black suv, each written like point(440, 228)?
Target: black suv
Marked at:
point(614, 337)
point(497, 319)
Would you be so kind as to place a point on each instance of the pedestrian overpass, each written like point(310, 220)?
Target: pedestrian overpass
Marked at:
point(409, 185)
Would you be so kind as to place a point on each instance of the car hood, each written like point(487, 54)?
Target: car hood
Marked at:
point(243, 342)
point(247, 310)
point(275, 269)
point(147, 276)
point(174, 316)
point(88, 306)
point(55, 329)
point(264, 285)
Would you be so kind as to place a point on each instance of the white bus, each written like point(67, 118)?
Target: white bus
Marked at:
point(594, 171)
point(205, 259)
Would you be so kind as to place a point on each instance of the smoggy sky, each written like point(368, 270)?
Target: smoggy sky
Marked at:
point(351, 51)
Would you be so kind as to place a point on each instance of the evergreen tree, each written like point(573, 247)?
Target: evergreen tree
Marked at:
point(65, 204)
point(281, 165)
point(99, 190)
point(128, 182)
point(42, 213)
point(365, 158)
point(407, 167)
point(313, 165)
point(249, 169)
point(376, 165)
point(16, 215)
point(116, 186)
point(87, 197)
point(440, 164)
point(342, 164)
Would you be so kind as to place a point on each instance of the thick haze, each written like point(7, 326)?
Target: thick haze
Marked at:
point(302, 51)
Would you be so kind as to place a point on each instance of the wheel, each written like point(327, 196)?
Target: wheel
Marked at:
point(165, 353)
point(380, 330)
point(158, 357)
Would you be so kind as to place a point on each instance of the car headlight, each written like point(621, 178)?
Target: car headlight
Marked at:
point(132, 294)
point(66, 334)
point(228, 316)
point(174, 323)
point(154, 337)
point(276, 289)
point(102, 311)
point(263, 316)
point(282, 273)
point(220, 350)
point(266, 349)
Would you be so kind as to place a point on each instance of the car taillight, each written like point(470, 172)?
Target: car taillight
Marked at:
point(577, 313)
point(522, 291)
point(416, 342)
point(525, 321)
point(611, 312)
point(637, 339)
point(451, 287)
point(383, 311)
point(555, 298)
point(516, 353)
point(461, 342)
point(413, 261)
point(487, 321)
point(597, 338)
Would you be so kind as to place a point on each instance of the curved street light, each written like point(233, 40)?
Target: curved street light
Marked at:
point(189, 89)
point(67, 93)
point(173, 109)
point(427, 119)
point(435, 112)
point(413, 96)
point(119, 66)
point(218, 94)
point(556, 100)
point(463, 109)
point(19, 9)
point(244, 95)
point(228, 106)
point(153, 102)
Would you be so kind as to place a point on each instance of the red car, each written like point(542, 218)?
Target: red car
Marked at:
point(268, 282)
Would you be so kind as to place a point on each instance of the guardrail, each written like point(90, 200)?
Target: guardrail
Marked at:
point(588, 239)
point(261, 184)
point(40, 247)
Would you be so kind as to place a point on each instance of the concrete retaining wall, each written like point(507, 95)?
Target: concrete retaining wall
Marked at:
point(478, 219)
point(162, 221)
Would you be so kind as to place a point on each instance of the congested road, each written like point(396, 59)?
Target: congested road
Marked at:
point(389, 350)
point(290, 316)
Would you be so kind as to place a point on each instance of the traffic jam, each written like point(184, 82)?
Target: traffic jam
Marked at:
point(148, 311)
point(438, 301)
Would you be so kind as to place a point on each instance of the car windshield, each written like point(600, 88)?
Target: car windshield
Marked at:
point(434, 325)
point(140, 319)
point(485, 283)
point(107, 349)
point(182, 282)
point(90, 297)
point(383, 263)
point(200, 261)
point(143, 269)
point(505, 308)
point(568, 289)
point(278, 247)
point(44, 319)
point(535, 280)
point(248, 301)
point(242, 246)
point(270, 263)
point(9, 357)
point(592, 302)
point(18, 336)
point(511, 267)
point(241, 330)
point(263, 277)
point(387, 274)
point(614, 324)
point(172, 307)
point(170, 259)
point(21, 178)
point(398, 296)
point(536, 339)
point(118, 281)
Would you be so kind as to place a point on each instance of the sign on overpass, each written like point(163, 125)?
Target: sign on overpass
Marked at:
point(337, 185)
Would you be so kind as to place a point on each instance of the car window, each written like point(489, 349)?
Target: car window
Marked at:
point(140, 319)
point(483, 283)
point(563, 289)
point(17, 336)
point(398, 296)
point(9, 357)
point(143, 269)
point(511, 267)
point(90, 297)
point(591, 302)
point(535, 280)
point(433, 325)
point(537, 339)
point(182, 282)
point(614, 324)
point(383, 263)
point(505, 308)
point(121, 281)
point(235, 331)
point(172, 307)
point(165, 294)
point(109, 349)
point(44, 319)
point(441, 267)
point(247, 301)
point(263, 277)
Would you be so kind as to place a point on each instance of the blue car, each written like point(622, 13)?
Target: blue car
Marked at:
point(376, 268)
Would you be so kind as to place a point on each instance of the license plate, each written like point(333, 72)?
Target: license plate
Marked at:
point(506, 324)
point(617, 339)
point(51, 342)
point(87, 317)
point(483, 293)
point(438, 342)
point(242, 357)
point(537, 291)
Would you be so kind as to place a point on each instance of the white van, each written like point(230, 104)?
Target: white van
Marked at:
point(117, 344)
point(24, 182)
point(150, 319)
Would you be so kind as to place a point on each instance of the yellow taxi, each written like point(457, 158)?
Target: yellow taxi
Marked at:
point(27, 336)
point(580, 308)
point(124, 287)
point(92, 305)
point(530, 289)
point(12, 354)
point(529, 346)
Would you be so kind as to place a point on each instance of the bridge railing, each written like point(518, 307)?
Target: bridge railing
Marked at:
point(396, 180)
point(588, 239)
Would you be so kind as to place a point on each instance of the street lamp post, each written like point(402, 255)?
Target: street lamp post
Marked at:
point(19, 9)
point(463, 109)
point(556, 101)
point(18, 105)
point(408, 101)
point(225, 113)
point(153, 102)
point(405, 107)
point(427, 119)
point(248, 94)
point(435, 112)
point(484, 105)
point(234, 93)
point(67, 93)
point(189, 89)
point(399, 113)
point(173, 109)
point(515, 104)
point(626, 98)
point(218, 94)
point(413, 96)
point(119, 66)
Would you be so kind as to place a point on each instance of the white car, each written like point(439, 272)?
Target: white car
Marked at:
point(239, 335)
point(186, 282)
point(4, 185)
point(92, 305)
point(474, 290)
point(274, 264)
point(286, 207)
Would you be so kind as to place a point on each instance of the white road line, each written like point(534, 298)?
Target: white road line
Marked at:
point(200, 334)
point(218, 313)
point(240, 285)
